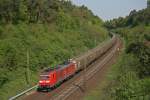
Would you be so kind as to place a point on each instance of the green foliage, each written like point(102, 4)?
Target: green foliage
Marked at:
point(42, 11)
point(131, 76)
point(143, 53)
point(47, 47)
point(147, 37)
point(50, 30)
point(65, 22)
point(124, 82)
point(133, 90)
point(135, 18)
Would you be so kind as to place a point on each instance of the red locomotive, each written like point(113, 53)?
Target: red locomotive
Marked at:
point(52, 77)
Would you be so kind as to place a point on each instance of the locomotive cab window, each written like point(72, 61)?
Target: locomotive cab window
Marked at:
point(44, 77)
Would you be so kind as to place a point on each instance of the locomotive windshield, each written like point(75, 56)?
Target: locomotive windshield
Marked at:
point(44, 77)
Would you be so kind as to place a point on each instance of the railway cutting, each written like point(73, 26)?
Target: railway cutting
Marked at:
point(80, 69)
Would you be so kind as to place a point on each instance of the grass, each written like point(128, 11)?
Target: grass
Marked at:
point(122, 82)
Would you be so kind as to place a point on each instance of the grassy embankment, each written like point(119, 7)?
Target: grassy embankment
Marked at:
point(50, 36)
point(129, 78)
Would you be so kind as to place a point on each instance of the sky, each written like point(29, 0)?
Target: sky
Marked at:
point(109, 9)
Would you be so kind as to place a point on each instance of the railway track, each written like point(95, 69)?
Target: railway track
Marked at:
point(77, 83)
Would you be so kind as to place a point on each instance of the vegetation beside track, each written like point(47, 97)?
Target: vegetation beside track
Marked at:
point(50, 31)
point(129, 79)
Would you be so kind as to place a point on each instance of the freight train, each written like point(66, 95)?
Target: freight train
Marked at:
point(51, 77)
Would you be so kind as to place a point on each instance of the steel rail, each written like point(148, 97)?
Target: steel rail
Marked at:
point(30, 89)
point(22, 93)
point(69, 90)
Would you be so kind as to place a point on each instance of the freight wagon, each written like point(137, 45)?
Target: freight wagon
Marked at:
point(51, 77)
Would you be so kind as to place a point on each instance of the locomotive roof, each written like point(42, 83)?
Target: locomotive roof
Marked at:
point(51, 69)
point(63, 65)
point(48, 70)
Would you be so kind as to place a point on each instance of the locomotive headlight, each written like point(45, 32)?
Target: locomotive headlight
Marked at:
point(47, 81)
point(40, 81)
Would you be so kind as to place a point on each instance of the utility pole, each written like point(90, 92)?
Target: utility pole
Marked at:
point(84, 74)
point(28, 69)
point(95, 41)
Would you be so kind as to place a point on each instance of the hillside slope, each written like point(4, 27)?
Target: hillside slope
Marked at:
point(49, 31)
point(129, 79)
